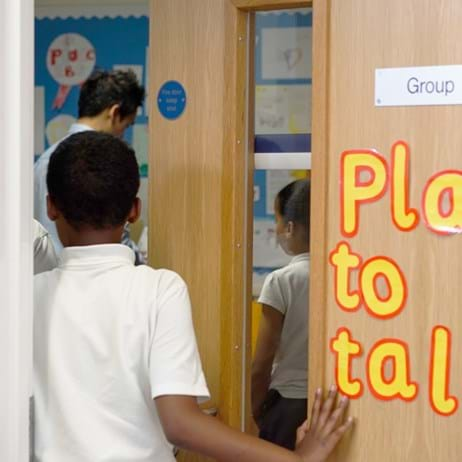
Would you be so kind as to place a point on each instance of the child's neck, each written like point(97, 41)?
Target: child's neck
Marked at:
point(298, 248)
point(93, 237)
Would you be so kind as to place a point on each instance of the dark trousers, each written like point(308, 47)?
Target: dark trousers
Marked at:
point(280, 419)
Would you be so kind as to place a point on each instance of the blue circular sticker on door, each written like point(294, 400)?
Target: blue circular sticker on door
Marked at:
point(171, 99)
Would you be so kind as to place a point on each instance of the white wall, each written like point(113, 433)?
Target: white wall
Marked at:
point(16, 138)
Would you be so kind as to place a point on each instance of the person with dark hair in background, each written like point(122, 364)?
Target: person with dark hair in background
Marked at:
point(117, 372)
point(108, 103)
point(279, 368)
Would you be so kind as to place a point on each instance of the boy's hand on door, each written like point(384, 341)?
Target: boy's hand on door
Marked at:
point(316, 440)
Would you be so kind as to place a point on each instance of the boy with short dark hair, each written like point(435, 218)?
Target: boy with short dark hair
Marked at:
point(108, 102)
point(116, 367)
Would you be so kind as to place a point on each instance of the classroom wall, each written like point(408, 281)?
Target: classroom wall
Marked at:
point(104, 24)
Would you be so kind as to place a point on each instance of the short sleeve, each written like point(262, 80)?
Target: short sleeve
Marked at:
point(272, 293)
point(174, 363)
point(44, 253)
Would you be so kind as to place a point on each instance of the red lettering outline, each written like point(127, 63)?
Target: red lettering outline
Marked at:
point(340, 330)
point(384, 379)
point(354, 292)
point(457, 230)
point(448, 372)
point(404, 283)
point(372, 199)
point(407, 209)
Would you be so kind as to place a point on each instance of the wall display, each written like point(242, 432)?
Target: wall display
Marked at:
point(282, 120)
point(68, 49)
point(283, 109)
point(283, 72)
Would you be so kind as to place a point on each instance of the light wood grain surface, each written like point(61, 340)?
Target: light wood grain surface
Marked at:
point(199, 195)
point(254, 5)
point(352, 38)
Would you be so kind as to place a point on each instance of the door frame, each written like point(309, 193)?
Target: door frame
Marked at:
point(245, 72)
point(16, 135)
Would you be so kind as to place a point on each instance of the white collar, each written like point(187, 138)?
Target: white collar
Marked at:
point(91, 255)
point(300, 257)
point(78, 127)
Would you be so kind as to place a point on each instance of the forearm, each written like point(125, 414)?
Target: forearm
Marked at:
point(261, 380)
point(210, 437)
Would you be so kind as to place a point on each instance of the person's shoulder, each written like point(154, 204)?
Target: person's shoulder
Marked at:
point(164, 279)
point(45, 156)
point(39, 232)
point(299, 268)
point(278, 273)
point(44, 281)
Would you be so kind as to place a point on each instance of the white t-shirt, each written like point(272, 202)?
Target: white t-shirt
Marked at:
point(286, 290)
point(108, 338)
point(44, 253)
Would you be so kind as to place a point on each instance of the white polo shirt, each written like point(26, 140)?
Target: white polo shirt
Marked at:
point(287, 290)
point(108, 338)
point(44, 253)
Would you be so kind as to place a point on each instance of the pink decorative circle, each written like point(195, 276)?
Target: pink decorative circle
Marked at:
point(71, 59)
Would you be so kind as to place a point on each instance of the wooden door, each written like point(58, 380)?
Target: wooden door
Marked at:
point(201, 172)
point(398, 357)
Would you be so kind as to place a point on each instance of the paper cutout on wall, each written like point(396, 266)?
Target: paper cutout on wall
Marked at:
point(71, 59)
point(282, 109)
point(285, 54)
point(58, 127)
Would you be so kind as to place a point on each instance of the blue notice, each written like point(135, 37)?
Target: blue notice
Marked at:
point(171, 100)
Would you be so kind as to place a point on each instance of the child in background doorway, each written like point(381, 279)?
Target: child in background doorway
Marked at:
point(279, 369)
point(117, 373)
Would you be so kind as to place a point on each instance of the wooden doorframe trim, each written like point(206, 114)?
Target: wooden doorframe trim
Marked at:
point(237, 189)
point(236, 238)
point(319, 194)
point(255, 5)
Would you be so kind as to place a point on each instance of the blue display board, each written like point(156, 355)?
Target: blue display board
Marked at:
point(277, 29)
point(283, 64)
point(119, 42)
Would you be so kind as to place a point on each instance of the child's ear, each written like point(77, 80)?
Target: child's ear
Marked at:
point(135, 211)
point(290, 228)
point(114, 112)
point(52, 211)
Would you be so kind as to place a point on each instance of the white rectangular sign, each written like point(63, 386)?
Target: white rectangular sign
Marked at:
point(418, 86)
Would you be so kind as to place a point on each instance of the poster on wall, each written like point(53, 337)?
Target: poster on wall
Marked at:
point(283, 57)
point(282, 120)
point(68, 49)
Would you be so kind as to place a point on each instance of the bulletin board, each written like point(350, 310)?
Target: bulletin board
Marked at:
point(106, 43)
point(282, 120)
